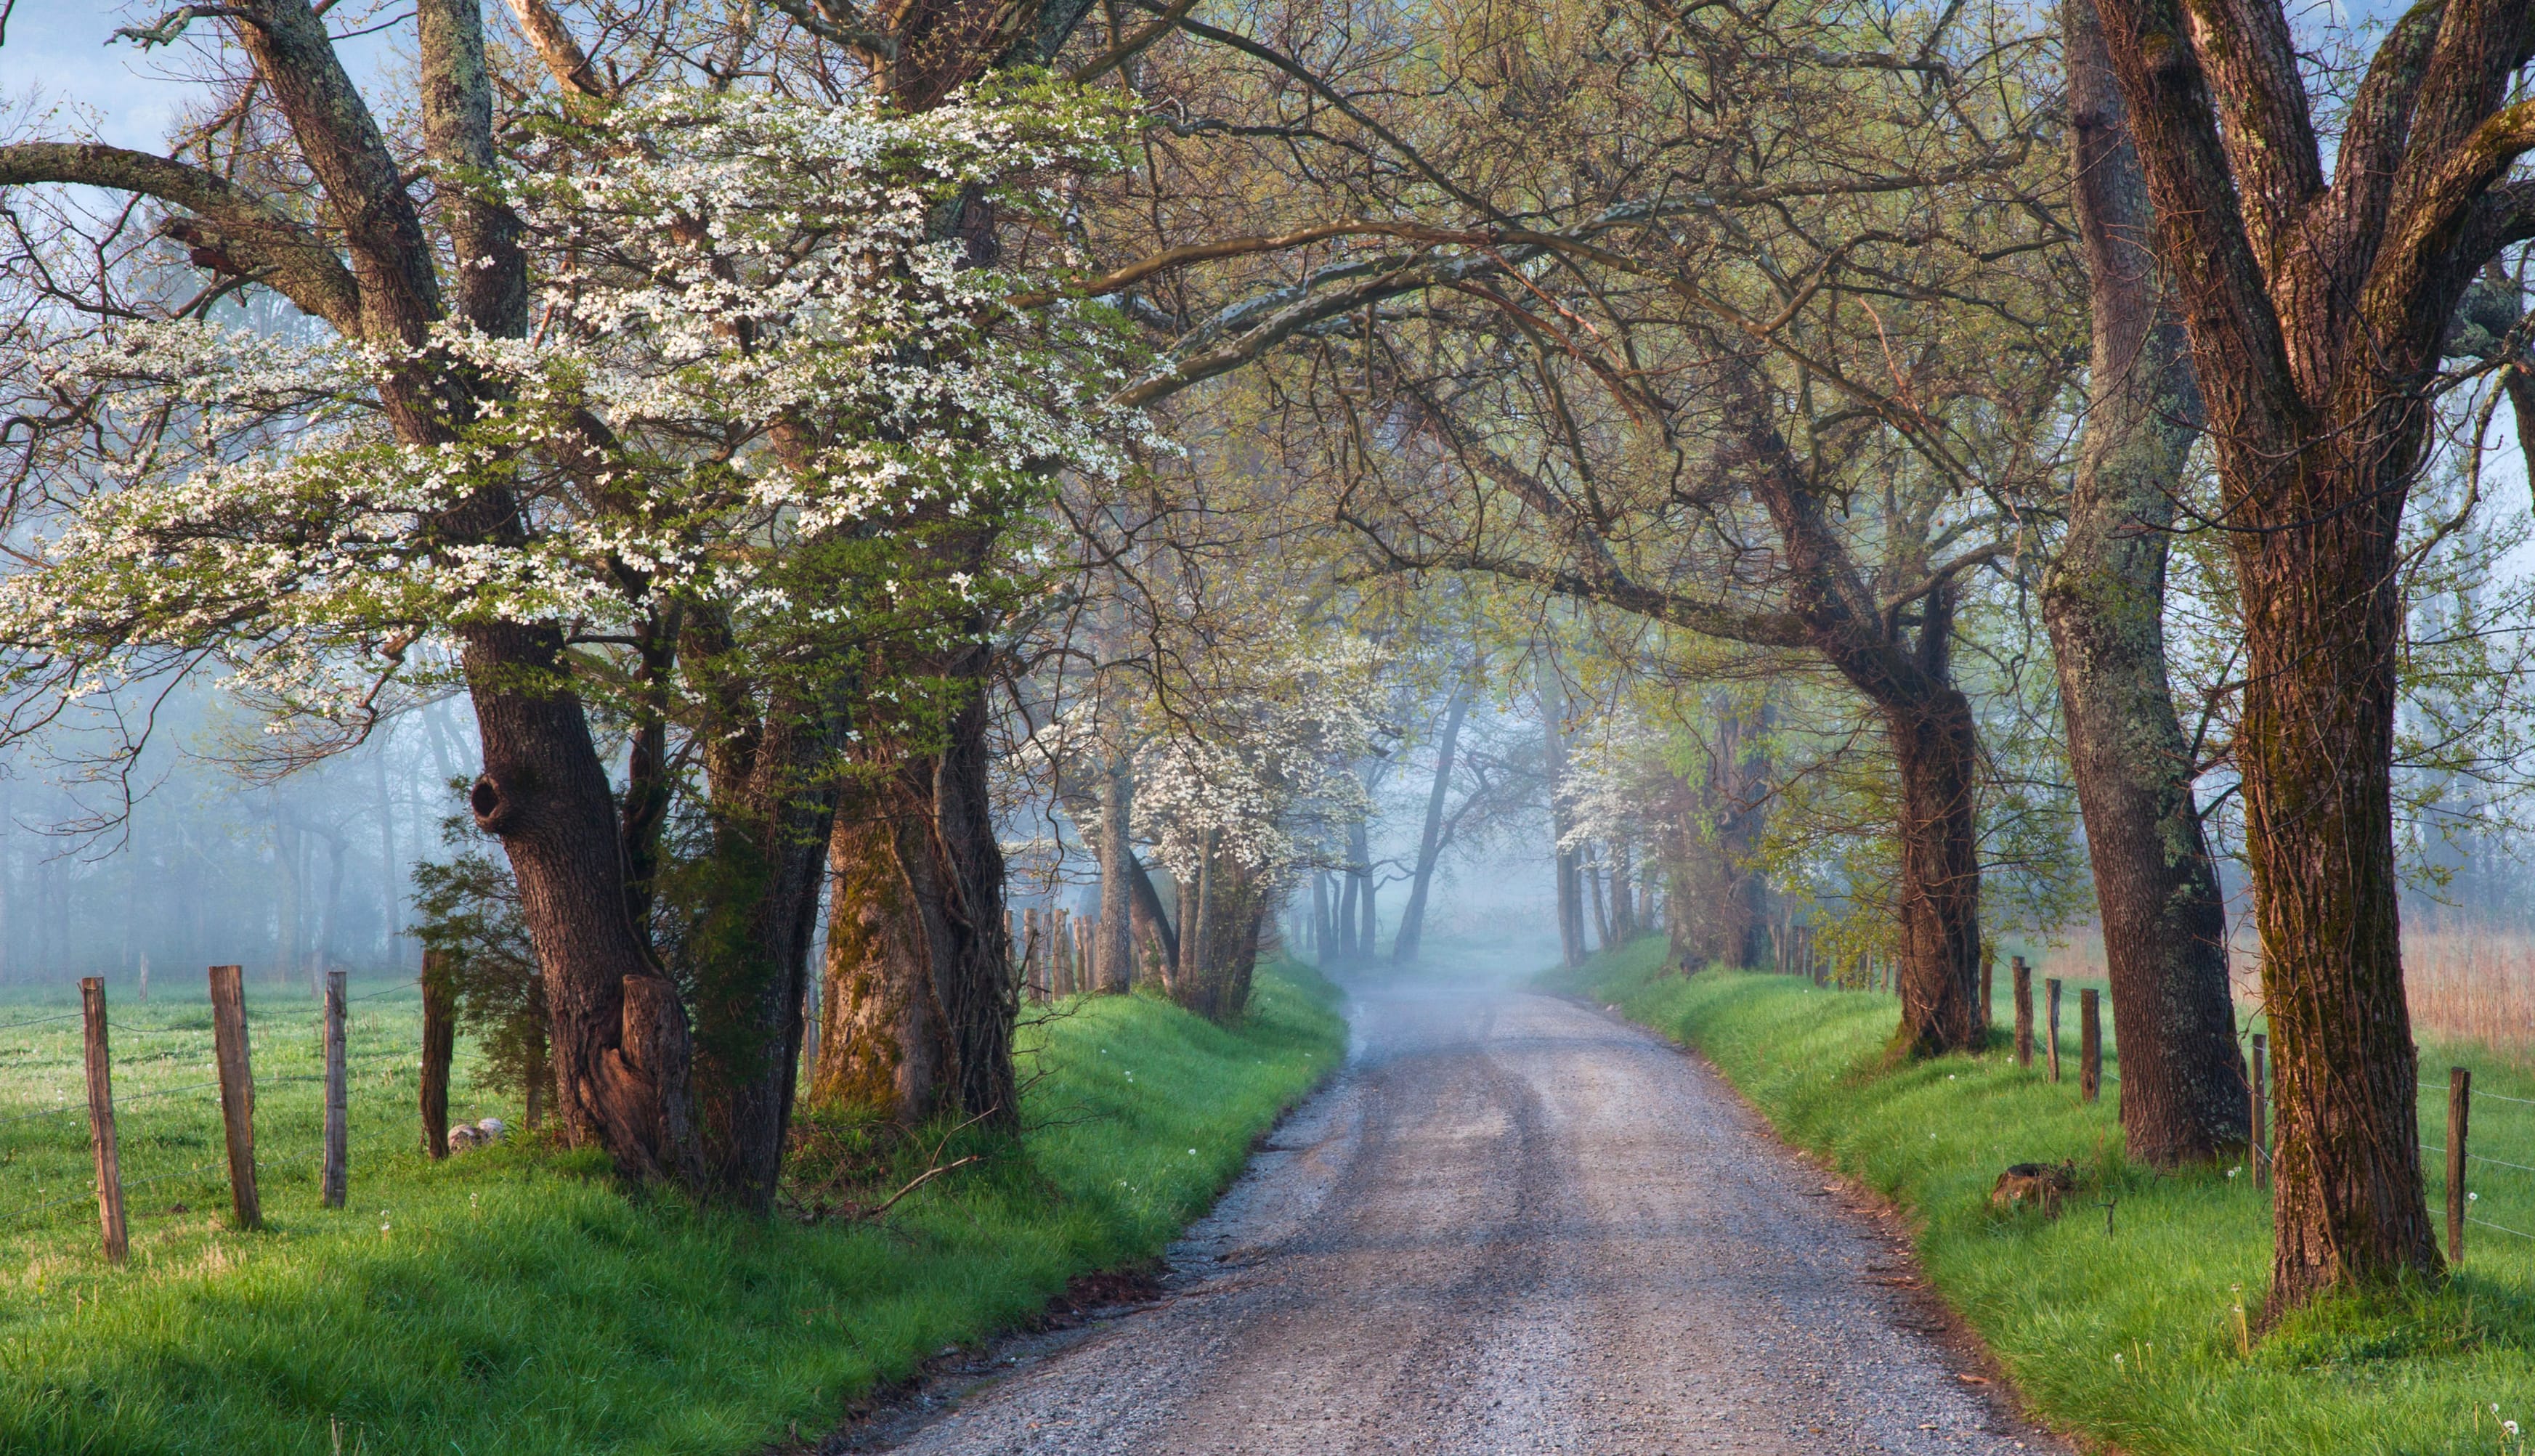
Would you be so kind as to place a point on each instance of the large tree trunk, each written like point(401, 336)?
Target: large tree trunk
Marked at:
point(1153, 928)
point(946, 901)
point(1936, 753)
point(2316, 304)
point(1927, 720)
point(1736, 792)
point(1594, 896)
point(1222, 942)
point(1369, 936)
point(1324, 939)
point(544, 796)
point(1430, 841)
point(2314, 747)
point(749, 948)
point(2183, 1093)
point(972, 969)
point(882, 1041)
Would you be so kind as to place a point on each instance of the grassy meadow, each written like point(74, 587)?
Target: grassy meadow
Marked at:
point(2133, 1337)
point(514, 1300)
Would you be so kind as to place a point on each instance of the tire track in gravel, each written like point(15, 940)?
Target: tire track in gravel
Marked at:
point(1514, 1225)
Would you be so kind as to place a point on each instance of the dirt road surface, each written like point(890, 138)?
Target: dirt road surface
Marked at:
point(1512, 1224)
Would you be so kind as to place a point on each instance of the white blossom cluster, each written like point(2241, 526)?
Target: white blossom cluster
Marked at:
point(1616, 770)
point(753, 332)
point(1271, 764)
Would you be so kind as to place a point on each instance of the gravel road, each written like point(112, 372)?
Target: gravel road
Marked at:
point(1512, 1224)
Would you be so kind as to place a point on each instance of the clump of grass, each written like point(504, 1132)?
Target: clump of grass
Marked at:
point(516, 1300)
point(2138, 1337)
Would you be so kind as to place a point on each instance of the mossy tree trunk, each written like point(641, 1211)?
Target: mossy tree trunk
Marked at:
point(2183, 1091)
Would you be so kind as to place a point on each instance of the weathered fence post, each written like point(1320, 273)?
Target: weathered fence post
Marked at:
point(2260, 1156)
point(2459, 1110)
point(2051, 995)
point(1061, 933)
point(1989, 988)
point(810, 993)
point(2090, 1047)
point(145, 978)
point(2024, 1011)
point(439, 1049)
point(100, 1119)
point(338, 1177)
point(237, 1091)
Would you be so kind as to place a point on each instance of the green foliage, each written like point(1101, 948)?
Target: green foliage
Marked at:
point(470, 909)
point(513, 1300)
point(2130, 1337)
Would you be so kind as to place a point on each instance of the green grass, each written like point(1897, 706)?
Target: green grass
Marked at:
point(2132, 1337)
point(513, 1301)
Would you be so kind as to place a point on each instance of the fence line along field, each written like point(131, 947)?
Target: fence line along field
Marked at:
point(168, 1114)
point(2472, 999)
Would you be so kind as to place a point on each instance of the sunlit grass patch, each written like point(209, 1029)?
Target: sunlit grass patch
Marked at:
point(514, 1300)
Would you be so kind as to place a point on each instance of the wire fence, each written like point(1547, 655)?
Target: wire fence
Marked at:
point(2518, 1178)
point(2504, 1127)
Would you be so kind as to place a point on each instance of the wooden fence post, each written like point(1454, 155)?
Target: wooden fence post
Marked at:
point(2260, 1157)
point(1989, 988)
point(100, 1120)
point(439, 1049)
point(237, 1091)
point(145, 978)
point(1061, 931)
point(813, 990)
point(337, 1181)
point(2459, 1110)
point(2090, 1047)
point(2023, 975)
point(2051, 995)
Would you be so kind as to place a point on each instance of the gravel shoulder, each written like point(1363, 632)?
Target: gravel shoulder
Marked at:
point(1512, 1224)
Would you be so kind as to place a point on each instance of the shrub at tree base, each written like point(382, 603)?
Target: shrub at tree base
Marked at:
point(516, 1301)
point(2132, 1338)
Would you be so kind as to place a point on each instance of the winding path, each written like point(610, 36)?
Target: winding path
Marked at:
point(1514, 1225)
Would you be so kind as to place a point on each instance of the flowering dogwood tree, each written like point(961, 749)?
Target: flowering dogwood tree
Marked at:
point(1238, 798)
point(690, 408)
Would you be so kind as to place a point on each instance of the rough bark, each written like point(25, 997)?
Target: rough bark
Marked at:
point(956, 871)
point(2315, 313)
point(747, 950)
point(1430, 839)
point(882, 1041)
point(2183, 1093)
point(544, 796)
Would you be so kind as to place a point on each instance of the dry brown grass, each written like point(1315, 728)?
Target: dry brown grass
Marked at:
point(2465, 985)
point(2472, 986)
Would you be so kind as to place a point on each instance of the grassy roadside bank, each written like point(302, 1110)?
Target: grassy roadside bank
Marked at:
point(511, 1302)
point(2130, 1338)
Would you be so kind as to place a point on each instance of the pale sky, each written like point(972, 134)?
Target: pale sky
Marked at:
point(58, 54)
